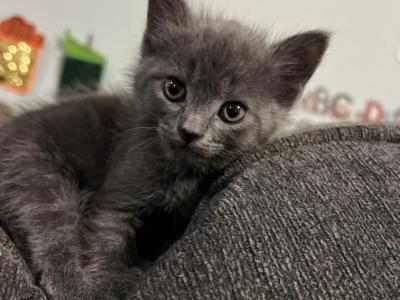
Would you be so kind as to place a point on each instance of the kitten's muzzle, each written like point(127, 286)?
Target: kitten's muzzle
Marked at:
point(184, 143)
point(189, 136)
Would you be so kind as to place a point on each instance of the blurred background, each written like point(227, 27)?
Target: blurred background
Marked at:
point(99, 40)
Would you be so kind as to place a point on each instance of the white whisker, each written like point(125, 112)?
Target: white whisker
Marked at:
point(145, 143)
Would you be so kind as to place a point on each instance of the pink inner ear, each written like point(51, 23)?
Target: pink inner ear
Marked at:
point(300, 55)
point(296, 59)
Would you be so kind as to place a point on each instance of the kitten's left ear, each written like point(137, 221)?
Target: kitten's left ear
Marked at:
point(295, 61)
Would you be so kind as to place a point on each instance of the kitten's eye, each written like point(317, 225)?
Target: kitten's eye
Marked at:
point(233, 112)
point(174, 90)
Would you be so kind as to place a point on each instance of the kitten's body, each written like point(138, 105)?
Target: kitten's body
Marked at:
point(50, 184)
point(78, 180)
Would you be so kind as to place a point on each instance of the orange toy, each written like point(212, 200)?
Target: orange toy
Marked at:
point(20, 46)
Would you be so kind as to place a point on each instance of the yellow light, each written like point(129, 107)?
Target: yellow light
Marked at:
point(12, 49)
point(1, 70)
point(18, 81)
point(28, 50)
point(25, 60)
point(23, 69)
point(7, 56)
point(12, 66)
point(23, 46)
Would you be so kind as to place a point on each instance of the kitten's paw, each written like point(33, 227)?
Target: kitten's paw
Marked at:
point(120, 284)
point(60, 284)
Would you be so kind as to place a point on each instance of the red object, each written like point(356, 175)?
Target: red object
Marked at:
point(16, 29)
point(20, 46)
point(374, 112)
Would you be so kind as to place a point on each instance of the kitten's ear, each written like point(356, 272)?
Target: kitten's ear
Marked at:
point(295, 61)
point(164, 13)
point(162, 16)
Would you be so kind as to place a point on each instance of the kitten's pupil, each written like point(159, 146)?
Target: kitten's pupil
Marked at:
point(233, 112)
point(174, 89)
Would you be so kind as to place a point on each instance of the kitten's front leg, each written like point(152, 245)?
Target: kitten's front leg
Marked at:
point(65, 283)
point(109, 256)
point(99, 269)
point(50, 222)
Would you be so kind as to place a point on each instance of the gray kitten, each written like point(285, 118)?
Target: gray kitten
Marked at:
point(91, 189)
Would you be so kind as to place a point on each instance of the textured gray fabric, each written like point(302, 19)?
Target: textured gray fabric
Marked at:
point(315, 216)
point(16, 282)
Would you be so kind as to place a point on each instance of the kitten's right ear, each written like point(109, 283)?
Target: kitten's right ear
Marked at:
point(164, 13)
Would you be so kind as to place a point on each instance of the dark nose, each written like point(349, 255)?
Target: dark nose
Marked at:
point(188, 136)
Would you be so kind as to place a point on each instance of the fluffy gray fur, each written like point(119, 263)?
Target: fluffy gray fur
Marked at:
point(82, 183)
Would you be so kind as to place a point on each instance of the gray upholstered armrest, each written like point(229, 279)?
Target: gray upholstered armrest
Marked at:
point(316, 216)
point(16, 281)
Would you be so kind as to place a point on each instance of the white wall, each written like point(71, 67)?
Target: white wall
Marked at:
point(361, 61)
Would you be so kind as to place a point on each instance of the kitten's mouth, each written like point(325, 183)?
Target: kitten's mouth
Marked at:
point(191, 153)
point(189, 150)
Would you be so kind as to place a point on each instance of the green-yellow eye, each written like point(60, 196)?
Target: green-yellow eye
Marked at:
point(233, 112)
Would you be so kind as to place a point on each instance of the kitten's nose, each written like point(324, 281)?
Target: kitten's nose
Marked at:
point(188, 135)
